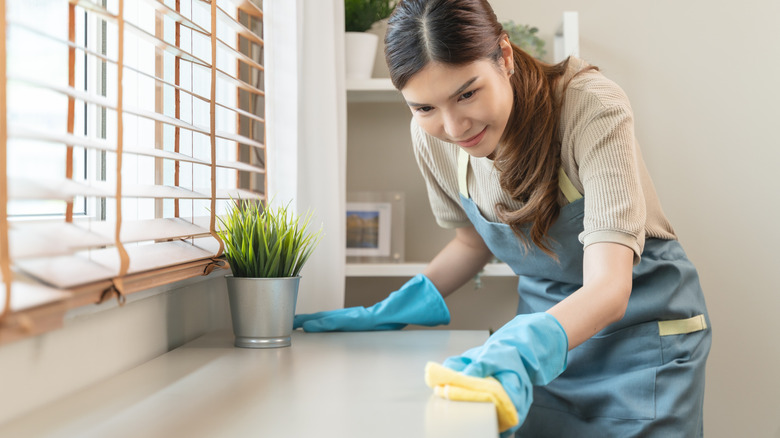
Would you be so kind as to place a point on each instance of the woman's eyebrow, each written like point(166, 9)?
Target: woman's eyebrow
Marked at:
point(464, 87)
point(460, 90)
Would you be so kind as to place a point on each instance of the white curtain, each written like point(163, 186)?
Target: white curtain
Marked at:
point(307, 132)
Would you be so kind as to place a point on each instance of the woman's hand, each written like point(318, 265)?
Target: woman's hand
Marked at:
point(416, 302)
point(528, 350)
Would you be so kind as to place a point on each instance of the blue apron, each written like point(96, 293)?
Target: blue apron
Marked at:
point(641, 376)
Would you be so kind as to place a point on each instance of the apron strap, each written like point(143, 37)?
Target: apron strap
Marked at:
point(682, 326)
point(463, 171)
point(568, 189)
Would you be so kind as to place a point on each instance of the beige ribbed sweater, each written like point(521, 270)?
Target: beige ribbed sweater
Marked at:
point(599, 153)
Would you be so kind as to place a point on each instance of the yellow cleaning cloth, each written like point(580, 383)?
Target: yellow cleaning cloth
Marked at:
point(452, 385)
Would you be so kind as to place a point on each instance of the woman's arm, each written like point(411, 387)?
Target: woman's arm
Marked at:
point(458, 261)
point(603, 298)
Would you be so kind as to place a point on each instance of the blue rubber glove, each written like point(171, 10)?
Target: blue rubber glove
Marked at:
point(416, 302)
point(529, 350)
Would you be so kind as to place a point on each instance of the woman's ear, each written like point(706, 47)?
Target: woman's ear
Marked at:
point(507, 54)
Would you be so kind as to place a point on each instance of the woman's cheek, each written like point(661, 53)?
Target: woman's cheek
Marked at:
point(430, 126)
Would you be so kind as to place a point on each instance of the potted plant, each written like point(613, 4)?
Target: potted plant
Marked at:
point(266, 247)
point(361, 46)
point(525, 37)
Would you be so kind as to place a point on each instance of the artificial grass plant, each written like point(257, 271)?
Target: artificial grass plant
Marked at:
point(265, 241)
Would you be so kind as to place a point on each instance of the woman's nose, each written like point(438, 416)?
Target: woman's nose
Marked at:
point(455, 126)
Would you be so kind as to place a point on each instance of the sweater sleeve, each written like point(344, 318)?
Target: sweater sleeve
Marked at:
point(607, 156)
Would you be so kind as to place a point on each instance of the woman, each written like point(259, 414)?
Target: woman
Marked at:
point(538, 165)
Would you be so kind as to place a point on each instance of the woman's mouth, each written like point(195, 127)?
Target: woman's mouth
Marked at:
point(473, 141)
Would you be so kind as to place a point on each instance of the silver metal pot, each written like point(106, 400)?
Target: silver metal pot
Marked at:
point(262, 310)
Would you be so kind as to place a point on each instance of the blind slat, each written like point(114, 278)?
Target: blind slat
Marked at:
point(69, 271)
point(96, 144)
point(240, 83)
point(244, 113)
point(53, 239)
point(101, 57)
point(112, 61)
point(94, 8)
point(53, 190)
point(65, 190)
point(237, 165)
point(249, 7)
point(157, 229)
point(161, 44)
point(241, 56)
point(165, 10)
point(29, 293)
point(239, 28)
point(30, 240)
point(41, 33)
point(239, 139)
point(99, 144)
point(246, 6)
point(238, 194)
point(106, 103)
point(67, 91)
point(160, 192)
point(184, 125)
point(65, 272)
point(166, 119)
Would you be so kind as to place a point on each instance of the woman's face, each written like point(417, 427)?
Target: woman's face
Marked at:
point(466, 105)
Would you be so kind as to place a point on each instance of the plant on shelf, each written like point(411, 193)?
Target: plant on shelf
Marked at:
point(361, 46)
point(266, 247)
point(525, 37)
point(359, 15)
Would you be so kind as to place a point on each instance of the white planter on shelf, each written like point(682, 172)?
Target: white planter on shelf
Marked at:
point(361, 50)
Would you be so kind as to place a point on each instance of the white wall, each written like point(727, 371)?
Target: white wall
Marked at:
point(702, 77)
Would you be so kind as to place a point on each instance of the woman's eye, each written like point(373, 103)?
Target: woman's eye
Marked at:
point(425, 109)
point(467, 95)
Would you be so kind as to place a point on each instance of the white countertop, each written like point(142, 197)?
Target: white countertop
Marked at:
point(366, 384)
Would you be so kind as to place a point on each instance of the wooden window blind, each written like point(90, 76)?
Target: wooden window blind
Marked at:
point(126, 128)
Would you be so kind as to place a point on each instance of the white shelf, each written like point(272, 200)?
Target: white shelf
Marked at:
point(372, 90)
point(412, 269)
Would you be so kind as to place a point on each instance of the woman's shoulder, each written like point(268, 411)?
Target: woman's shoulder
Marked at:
point(589, 86)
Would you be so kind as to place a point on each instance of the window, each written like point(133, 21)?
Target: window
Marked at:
point(116, 161)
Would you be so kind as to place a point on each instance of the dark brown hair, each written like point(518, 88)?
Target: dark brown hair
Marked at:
point(458, 32)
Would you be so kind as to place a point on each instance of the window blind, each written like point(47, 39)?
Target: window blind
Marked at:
point(127, 127)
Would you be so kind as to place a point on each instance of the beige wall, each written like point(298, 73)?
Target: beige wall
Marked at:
point(702, 77)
